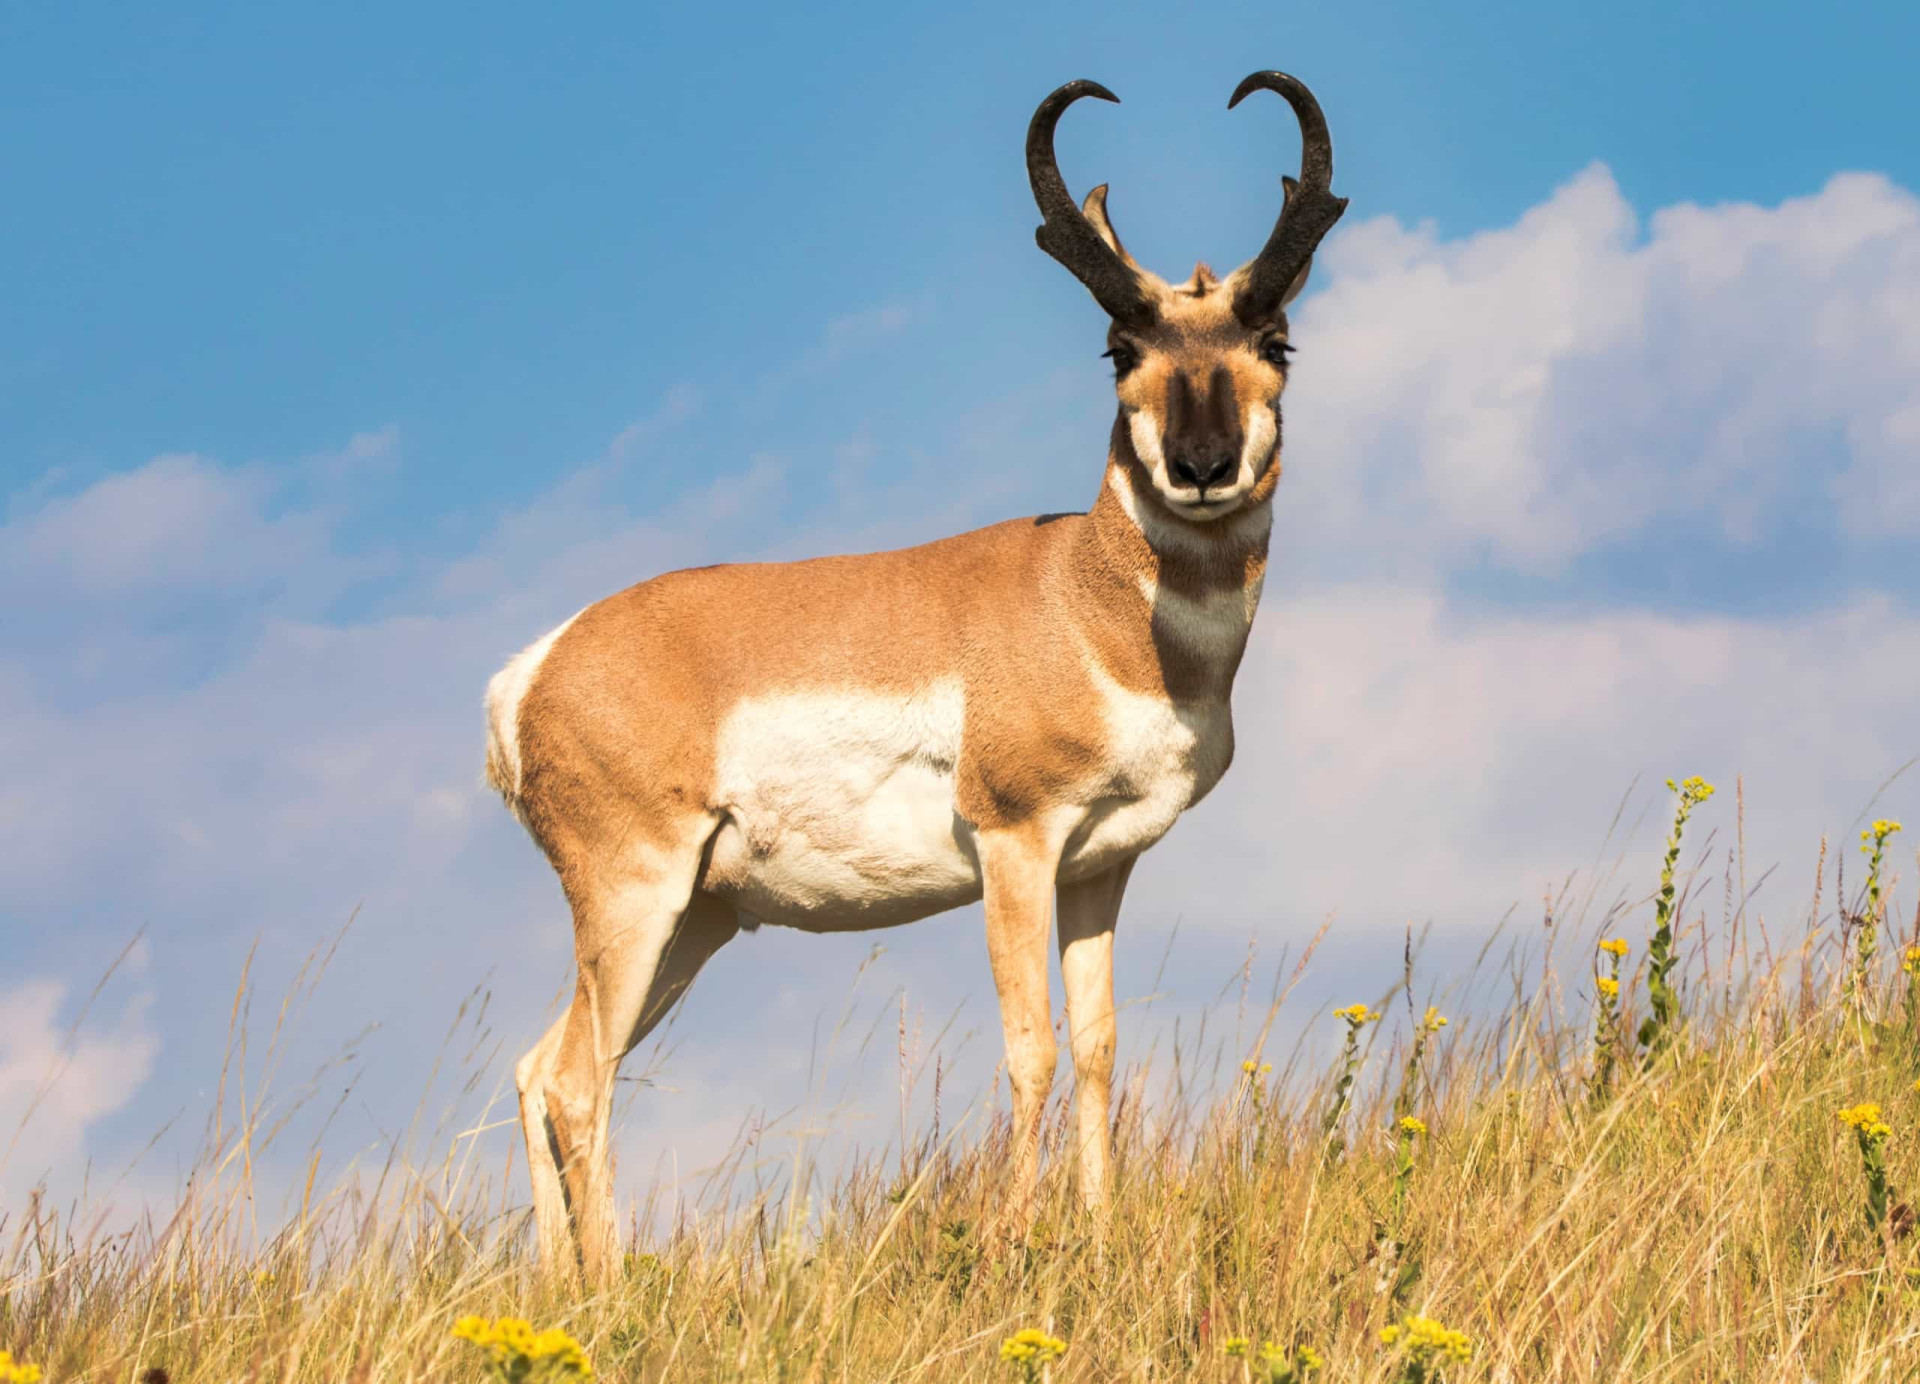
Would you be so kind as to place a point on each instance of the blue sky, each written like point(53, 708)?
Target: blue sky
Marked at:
point(348, 348)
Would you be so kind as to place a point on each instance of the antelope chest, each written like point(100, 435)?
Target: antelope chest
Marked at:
point(1162, 757)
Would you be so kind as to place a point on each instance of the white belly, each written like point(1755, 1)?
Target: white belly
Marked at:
point(841, 809)
point(841, 805)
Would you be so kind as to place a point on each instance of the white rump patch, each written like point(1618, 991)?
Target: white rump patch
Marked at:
point(506, 690)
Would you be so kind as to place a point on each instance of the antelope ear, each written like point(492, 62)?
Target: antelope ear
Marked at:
point(1238, 280)
point(1299, 283)
point(1095, 210)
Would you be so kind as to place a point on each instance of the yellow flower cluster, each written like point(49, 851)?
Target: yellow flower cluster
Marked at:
point(1875, 837)
point(520, 1352)
point(1252, 1068)
point(1692, 790)
point(1305, 1359)
point(1308, 1359)
point(1031, 1344)
point(1617, 946)
point(1434, 1020)
point(20, 1372)
point(1911, 962)
point(1865, 1117)
point(1357, 1014)
point(1424, 1338)
point(1608, 986)
point(1413, 1124)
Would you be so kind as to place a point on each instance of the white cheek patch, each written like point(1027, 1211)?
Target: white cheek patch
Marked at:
point(1145, 432)
point(1263, 430)
point(1262, 433)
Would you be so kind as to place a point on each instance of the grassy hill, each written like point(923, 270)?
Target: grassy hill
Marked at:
point(1702, 1175)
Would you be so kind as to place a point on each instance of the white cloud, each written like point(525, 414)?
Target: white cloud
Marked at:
point(179, 522)
point(856, 331)
point(1539, 390)
point(1403, 761)
point(56, 1081)
point(182, 526)
point(682, 402)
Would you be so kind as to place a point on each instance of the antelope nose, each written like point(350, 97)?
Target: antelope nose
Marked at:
point(1202, 468)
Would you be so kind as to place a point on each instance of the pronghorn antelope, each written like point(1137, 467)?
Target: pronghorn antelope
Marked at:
point(1012, 714)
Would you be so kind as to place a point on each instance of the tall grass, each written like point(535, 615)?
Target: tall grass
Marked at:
point(1483, 1204)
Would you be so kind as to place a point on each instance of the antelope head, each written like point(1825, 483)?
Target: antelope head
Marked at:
point(1199, 366)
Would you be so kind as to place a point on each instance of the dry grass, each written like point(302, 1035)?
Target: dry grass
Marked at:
point(1703, 1221)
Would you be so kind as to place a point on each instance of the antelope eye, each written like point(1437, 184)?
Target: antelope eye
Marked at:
point(1275, 350)
point(1124, 358)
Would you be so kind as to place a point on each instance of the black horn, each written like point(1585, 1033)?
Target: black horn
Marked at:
point(1065, 233)
point(1307, 214)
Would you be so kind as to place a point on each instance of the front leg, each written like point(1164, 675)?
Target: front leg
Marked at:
point(1088, 909)
point(1017, 868)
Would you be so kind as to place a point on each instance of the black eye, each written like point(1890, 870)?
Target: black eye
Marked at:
point(1275, 350)
point(1124, 358)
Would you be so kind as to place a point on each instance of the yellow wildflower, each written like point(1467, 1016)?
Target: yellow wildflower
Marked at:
point(1236, 1346)
point(1875, 837)
point(1357, 1014)
point(1616, 945)
point(17, 1372)
point(1693, 789)
point(1413, 1124)
point(1252, 1068)
point(1031, 1344)
point(1864, 1118)
point(1424, 1338)
point(1282, 1363)
point(1434, 1020)
point(516, 1351)
point(1608, 986)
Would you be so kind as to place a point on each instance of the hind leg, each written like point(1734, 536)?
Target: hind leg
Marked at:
point(543, 1162)
point(638, 947)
